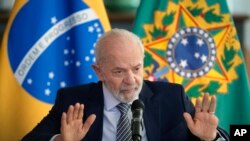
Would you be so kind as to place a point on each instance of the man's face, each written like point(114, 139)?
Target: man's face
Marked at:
point(122, 72)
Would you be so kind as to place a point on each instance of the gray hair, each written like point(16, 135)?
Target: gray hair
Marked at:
point(110, 36)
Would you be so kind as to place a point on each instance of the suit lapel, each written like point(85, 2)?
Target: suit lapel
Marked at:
point(151, 113)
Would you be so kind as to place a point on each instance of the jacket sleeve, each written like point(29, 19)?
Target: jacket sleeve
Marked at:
point(49, 125)
point(222, 135)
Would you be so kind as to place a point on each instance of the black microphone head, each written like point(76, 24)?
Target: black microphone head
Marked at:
point(137, 104)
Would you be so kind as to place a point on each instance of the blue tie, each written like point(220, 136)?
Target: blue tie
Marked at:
point(124, 132)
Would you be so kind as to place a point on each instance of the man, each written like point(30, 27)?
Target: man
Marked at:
point(168, 114)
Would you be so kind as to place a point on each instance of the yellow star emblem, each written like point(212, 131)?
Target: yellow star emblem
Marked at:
point(188, 14)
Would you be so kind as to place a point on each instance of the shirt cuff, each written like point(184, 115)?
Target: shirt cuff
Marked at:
point(220, 137)
point(52, 139)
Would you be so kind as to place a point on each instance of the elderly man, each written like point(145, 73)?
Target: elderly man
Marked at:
point(98, 111)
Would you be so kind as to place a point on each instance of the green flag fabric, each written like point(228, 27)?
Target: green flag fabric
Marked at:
point(195, 43)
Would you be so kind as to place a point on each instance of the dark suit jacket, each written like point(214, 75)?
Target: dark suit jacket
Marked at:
point(163, 114)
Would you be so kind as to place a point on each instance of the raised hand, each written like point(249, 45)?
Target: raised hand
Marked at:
point(72, 126)
point(204, 123)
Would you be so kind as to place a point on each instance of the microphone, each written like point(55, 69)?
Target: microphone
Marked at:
point(137, 111)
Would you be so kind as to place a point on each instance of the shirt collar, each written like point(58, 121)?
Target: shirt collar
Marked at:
point(109, 100)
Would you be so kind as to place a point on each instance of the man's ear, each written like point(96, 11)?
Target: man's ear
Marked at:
point(98, 71)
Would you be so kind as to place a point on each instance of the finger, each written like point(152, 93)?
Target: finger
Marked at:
point(198, 105)
point(205, 103)
point(76, 110)
point(90, 120)
point(63, 120)
point(212, 105)
point(80, 114)
point(69, 116)
point(189, 120)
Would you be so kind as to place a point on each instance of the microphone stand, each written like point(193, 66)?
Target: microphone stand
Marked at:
point(136, 133)
point(137, 120)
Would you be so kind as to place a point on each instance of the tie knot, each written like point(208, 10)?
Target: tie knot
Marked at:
point(123, 108)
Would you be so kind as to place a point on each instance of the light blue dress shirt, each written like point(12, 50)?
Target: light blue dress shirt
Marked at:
point(112, 115)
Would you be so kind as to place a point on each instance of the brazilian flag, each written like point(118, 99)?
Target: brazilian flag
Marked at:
point(195, 43)
point(47, 45)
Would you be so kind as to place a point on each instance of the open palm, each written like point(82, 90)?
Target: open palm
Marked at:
point(72, 126)
point(204, 124)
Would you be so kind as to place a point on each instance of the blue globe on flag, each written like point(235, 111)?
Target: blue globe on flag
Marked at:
point(57, 52)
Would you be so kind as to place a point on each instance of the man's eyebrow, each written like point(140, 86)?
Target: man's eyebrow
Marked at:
point(118, 68)
point(138, 65)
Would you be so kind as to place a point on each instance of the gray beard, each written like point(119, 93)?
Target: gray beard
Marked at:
point(120, 97)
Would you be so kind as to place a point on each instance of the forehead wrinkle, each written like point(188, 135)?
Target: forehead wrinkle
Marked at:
point(127, 67)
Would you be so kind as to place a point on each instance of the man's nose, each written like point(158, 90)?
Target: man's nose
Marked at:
point(129, 78)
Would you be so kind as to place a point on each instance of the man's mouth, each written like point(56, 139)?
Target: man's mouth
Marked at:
point(128, 90)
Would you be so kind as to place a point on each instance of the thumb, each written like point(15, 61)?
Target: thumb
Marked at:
point(189, 120)
point(90, 120)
